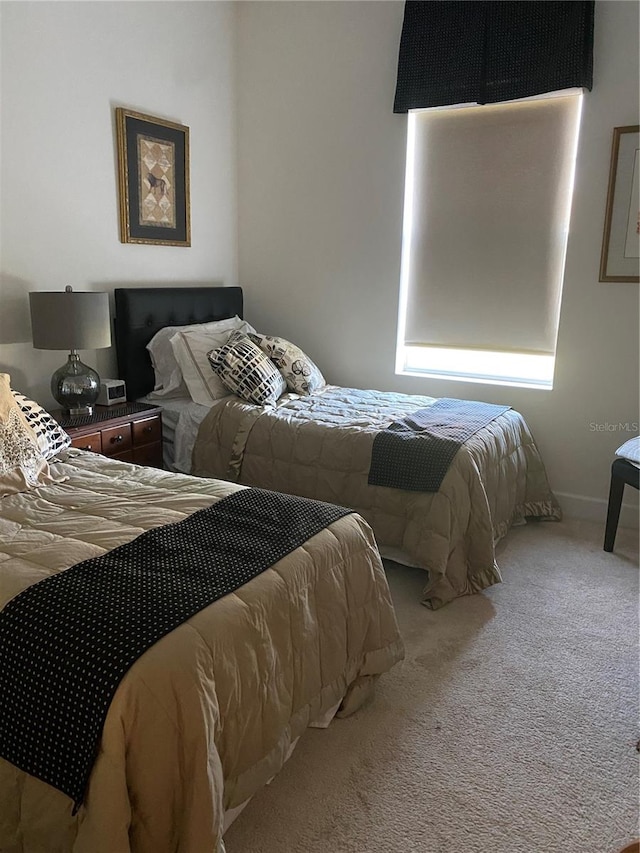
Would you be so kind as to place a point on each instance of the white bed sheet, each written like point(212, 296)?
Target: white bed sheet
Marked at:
point(181, 418)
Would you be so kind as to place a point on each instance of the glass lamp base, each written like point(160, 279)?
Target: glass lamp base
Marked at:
point(75, 386)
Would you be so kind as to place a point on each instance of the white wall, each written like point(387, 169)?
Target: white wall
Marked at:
point(321, 176)
point(65, 66)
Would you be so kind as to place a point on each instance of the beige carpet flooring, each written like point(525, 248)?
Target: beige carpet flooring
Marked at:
point(511, 727)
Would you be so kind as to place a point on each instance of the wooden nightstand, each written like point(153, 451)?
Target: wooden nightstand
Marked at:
point(131, 432)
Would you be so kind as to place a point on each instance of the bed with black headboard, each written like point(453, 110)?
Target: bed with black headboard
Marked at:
point(322, 445)
point(142, 311)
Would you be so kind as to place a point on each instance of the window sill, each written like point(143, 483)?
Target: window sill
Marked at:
point(539, 385)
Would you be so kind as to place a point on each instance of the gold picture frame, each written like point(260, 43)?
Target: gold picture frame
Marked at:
point(620, 257)
point(153, 179)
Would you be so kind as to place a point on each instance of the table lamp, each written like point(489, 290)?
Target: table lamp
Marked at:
point(71, 321)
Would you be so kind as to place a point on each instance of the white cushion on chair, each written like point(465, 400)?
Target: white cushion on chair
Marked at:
point(630, 451)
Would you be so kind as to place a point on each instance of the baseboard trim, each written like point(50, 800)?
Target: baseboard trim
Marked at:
point(595, 509)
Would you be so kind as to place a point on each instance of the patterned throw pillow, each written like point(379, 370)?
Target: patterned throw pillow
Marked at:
point(50, 435)
point(246, 371)
point(22, 465)
point(300, 373)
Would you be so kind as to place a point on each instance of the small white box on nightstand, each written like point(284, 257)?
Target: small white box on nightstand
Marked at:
point(112, 391)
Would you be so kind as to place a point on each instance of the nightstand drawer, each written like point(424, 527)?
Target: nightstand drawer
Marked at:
point(147, 431)
point(148, 454)
point(126, 456)
point(90, 441)
point(116, 439)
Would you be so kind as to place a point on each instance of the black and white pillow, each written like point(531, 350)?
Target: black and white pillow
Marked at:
point(300, 373)
point(246, 371)
point(52, 439)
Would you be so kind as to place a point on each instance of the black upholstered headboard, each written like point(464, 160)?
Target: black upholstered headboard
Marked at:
point(142, 311)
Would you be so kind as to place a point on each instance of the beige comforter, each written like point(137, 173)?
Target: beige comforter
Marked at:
point(208, 714)
point(320, 447)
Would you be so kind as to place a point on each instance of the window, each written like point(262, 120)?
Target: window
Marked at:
point(487, 203)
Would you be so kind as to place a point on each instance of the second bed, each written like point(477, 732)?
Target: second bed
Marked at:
point(320, 446)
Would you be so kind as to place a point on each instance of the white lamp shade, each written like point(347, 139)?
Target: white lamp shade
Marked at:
point(68, 320)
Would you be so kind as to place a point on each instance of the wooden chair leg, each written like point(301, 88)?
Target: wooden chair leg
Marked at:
point(613, 512)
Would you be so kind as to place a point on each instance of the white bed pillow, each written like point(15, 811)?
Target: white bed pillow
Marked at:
point(22, 465)
point(190, 347)
point(300, 373)
point(169, 381)
point(247, 372)
point(168, 376)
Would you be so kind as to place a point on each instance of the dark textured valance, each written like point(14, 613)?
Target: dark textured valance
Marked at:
point(484, 51)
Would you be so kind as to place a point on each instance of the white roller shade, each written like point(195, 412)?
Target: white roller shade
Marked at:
point(489, 212)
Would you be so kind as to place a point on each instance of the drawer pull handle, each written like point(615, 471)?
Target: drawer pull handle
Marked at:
point(148, 429)
point(116, 439)
point(87, 447)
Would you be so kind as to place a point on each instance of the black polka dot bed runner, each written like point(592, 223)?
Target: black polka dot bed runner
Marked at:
point(67, 641)
point(415, 452)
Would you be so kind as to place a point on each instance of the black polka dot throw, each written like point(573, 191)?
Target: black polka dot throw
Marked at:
point(415, 452)
point(67, 641)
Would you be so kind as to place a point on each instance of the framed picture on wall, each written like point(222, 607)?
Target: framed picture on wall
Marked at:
point(620, 259)
point(153, 179)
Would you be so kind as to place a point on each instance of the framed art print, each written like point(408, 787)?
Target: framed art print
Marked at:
point(620, 259)
point(153, 177)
